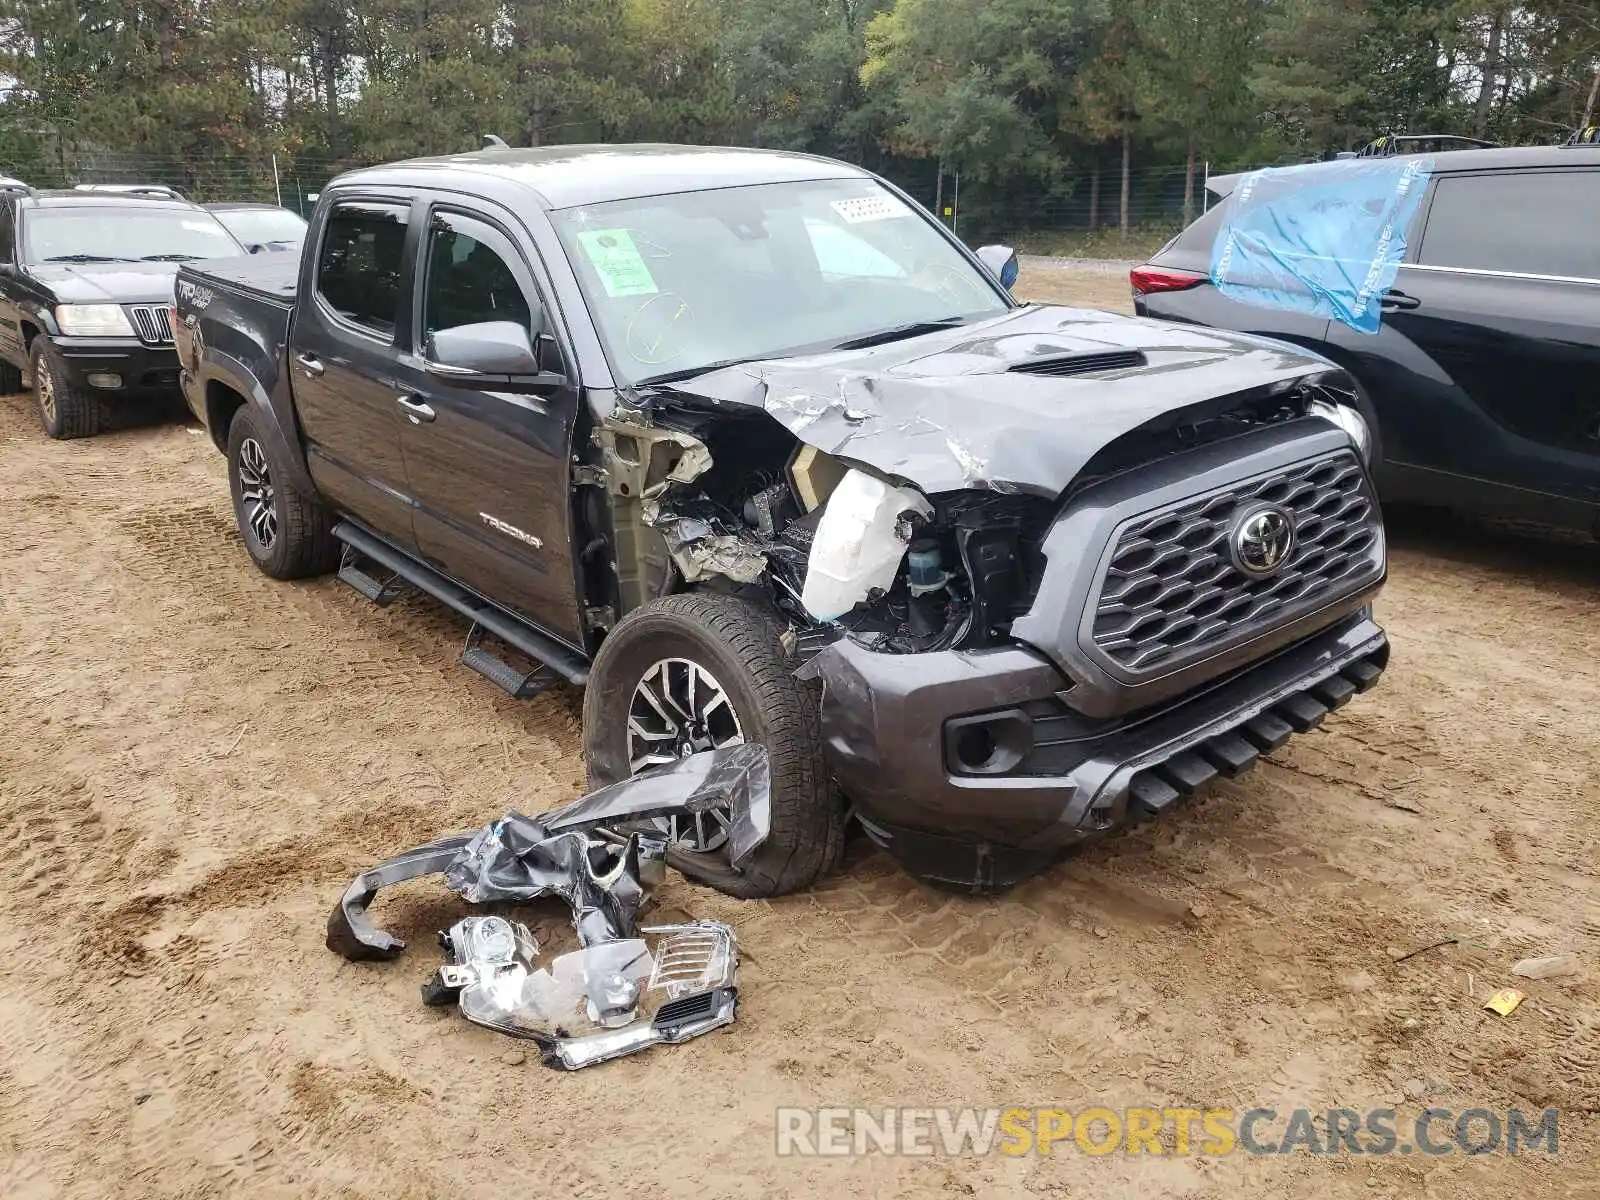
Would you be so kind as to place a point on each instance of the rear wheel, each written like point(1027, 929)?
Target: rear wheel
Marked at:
point(65, 410)
point(287, 531)
point(698, 672)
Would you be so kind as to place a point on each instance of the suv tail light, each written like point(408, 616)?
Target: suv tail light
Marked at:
point(1148, 279)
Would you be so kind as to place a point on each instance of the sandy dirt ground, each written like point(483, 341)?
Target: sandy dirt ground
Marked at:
point(194, 760)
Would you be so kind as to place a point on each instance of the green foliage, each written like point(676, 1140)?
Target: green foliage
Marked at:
point(987, 86)
point(1025, 99)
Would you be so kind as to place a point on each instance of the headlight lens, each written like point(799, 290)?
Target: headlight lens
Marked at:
point(1349, 420)
point(93, 320)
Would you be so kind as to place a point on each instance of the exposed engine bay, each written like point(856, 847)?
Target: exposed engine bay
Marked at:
point(717, 495)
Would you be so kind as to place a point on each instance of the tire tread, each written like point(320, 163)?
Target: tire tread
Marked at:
point(306, 545)
point(808, 826)
point(78, 413)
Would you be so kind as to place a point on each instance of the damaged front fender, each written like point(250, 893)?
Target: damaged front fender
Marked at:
point(643, 464)
point(351, 932)
point(574, 852)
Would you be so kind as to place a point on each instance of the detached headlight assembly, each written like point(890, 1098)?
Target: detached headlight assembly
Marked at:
point(93, 320)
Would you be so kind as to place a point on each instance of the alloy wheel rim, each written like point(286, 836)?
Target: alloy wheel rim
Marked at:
point(678, 709)
point(256, 493)
point(45, 387)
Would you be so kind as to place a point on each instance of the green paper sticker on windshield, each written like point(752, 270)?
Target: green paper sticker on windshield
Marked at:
point(617, 261)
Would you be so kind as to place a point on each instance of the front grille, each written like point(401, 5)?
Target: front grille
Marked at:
point(152, 323)
point(1171, 594)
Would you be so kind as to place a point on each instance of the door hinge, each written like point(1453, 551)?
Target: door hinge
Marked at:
point(593, 476)
point(603, 617)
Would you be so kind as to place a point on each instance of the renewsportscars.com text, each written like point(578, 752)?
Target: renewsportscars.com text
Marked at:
point(843, 1132)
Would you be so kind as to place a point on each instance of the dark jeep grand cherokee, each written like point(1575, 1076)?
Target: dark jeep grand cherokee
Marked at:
point(85, 292)
point(750, 445)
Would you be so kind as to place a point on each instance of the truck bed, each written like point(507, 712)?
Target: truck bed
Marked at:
point(245, 304)
point(272, 275)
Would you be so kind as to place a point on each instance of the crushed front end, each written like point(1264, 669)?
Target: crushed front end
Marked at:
point(1153, 656)
point(1048, 583)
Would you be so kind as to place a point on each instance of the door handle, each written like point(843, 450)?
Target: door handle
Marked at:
point(311, 365)
point(1393, 300)
point(418, 412)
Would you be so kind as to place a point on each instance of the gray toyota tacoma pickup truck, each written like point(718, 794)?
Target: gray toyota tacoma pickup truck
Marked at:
point(749, 445)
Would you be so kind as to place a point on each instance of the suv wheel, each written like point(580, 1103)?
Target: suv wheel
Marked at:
point(65, 411)
point(288, 532)
point(694, 672)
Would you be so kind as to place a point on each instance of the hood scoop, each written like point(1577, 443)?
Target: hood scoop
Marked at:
point(1058, 365)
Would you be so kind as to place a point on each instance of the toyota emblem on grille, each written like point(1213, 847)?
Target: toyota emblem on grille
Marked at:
point(1262, 540)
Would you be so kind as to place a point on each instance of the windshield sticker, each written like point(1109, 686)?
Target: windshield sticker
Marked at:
point(617, 261)
point(860, 209)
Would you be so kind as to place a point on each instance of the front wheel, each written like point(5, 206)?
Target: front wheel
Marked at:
point(698, 672)
point(65, 410)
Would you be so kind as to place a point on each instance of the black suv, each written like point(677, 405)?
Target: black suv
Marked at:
point(85, 295)
point(1485, 377)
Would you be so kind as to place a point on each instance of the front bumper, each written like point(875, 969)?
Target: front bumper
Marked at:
point(142, 370)
point(973, 764)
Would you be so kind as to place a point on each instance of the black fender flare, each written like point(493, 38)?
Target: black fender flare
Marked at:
point(42, 316)
point(217, 366)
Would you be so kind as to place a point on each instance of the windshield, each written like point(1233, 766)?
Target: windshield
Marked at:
point(110, 233)
point(254, 226)
point(687, 281)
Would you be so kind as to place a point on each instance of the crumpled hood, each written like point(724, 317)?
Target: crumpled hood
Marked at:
point(108, 283)
point(949, 411)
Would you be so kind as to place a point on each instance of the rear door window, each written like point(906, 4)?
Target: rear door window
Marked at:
point(1532, 223)
point(359, 264)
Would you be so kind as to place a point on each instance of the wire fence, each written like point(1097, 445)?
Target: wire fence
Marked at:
point(1073, 210)
point(1084, 213)
point(293, 181)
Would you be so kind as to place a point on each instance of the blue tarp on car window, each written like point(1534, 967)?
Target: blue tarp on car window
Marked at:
point(1325, 239)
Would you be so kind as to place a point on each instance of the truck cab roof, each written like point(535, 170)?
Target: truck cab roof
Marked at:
point(567, 176)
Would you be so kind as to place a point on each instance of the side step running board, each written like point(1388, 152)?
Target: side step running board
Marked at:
point(382, 592)
point(565, 662)
point(519, 684)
